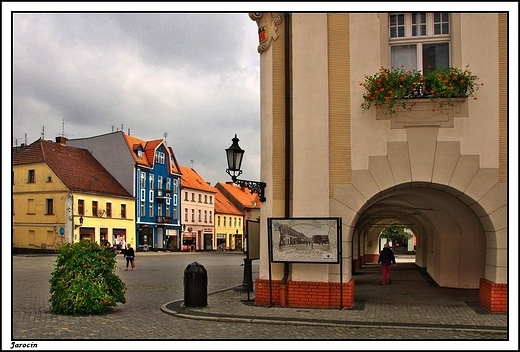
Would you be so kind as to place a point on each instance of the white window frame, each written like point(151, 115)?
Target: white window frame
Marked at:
point(418, 40)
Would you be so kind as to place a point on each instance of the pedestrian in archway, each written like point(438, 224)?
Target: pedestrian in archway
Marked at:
point(386, 258)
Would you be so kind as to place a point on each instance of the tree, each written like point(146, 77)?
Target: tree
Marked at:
point(396, 231)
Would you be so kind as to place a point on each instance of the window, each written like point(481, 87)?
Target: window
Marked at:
point(49, 206)
point(192, 197)
point(175, 186)
point(143, 179)
point(150, 210)
point(94, 208)
point(193, 215)
point(150, 182)
point(81, 206)
point(200, 198)
point(218, 220)
point(206, 198)
point(31, 208)
point(31, 177)
point(139, 153)
point(419, 41)
point(186, 214)
point(159, 157)
point(143, 209)
point(224, 221)
point(150, 197)
point(167, 210)
point(200, 215)
point(210, 217)
point(123, 211)
point(205, 216)
point(168, 183)
point(159, 209)
point(159, 182)
point(185, 195)
point(109, 210)
point(210, 199)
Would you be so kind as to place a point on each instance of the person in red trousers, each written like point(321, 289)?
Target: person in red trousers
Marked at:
point(386, 258)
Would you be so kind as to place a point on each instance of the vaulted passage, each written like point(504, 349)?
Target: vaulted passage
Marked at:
point(450, 240)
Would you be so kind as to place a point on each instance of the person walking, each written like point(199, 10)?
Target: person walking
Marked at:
point(386, 258)
point(129, 255)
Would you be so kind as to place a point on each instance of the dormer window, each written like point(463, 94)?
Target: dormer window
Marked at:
point(159, 157)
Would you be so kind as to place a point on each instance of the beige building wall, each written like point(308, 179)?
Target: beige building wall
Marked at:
point(443, 162)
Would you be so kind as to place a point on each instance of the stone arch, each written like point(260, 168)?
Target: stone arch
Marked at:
point(425, 167)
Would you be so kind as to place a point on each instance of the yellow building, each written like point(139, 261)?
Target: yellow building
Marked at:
point(229, 230)
point(62, 194)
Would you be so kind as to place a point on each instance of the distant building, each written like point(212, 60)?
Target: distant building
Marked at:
point(62, 194)
point(243, 199)
point(149, 171)
point(198, 211)
point(229, 230)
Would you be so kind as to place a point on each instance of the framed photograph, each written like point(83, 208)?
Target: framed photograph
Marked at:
point(304, 240)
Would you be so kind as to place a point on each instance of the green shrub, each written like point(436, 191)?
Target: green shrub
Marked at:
point(84, 281)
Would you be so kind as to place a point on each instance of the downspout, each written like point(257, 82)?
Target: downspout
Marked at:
point(287, 44)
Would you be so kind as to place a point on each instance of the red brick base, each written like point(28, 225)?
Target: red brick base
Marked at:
point(304, 294)
point(493, 296)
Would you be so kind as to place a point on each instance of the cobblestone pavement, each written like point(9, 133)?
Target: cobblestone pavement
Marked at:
point(411, 309)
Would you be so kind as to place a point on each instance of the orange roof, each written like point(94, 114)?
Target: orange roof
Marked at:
point(148, 155)
point(224, 205)
point(191, 179)
point(75, 167)
point(241, 194)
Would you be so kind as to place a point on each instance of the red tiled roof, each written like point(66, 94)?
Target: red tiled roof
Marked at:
point(148, 154)
point(133, 144)
point(241, 194)
point(224, 205)
point(75, 167)
point(191, 179)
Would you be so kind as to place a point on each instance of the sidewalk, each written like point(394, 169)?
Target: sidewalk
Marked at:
point(412, 301)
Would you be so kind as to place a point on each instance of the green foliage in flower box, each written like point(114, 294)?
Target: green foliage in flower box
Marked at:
point(393, 88)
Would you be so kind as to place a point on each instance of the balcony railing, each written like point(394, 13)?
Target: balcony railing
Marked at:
point(163, 193)
point(164, 219)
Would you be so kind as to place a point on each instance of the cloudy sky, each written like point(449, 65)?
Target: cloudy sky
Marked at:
point(193, 77)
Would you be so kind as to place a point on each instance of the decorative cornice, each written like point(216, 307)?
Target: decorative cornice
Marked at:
point(266, 23)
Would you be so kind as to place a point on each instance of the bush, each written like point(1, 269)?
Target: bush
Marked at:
point(84, 281)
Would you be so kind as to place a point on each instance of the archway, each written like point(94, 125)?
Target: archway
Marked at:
point(451, 243)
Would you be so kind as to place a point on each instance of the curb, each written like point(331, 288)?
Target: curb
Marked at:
point(177, 308)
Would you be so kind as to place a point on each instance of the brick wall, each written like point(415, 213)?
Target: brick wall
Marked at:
point(493, 296)
point(304, 294)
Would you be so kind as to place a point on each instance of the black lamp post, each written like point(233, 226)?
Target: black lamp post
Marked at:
point(234, 159)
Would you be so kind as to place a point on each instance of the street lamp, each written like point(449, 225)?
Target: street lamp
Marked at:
point(80, 222)
point(234, 159)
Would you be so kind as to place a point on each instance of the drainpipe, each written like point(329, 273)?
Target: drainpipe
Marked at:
point(287, 26)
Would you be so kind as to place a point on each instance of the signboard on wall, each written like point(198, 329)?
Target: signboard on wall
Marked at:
point(304, 240)
point(252, 245)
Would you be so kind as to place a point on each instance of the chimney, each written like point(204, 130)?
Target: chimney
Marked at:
point(61, 140)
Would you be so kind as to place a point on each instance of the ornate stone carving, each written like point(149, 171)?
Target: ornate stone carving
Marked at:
point(266, 23)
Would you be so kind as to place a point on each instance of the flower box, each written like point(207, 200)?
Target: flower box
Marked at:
point(397, 90)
